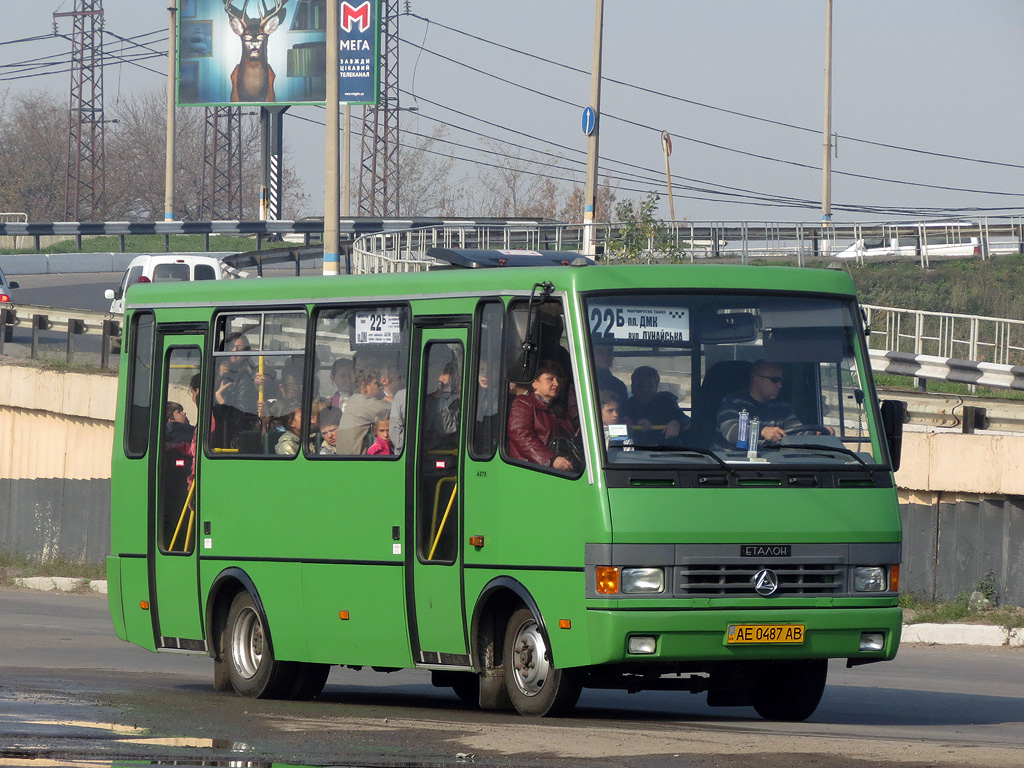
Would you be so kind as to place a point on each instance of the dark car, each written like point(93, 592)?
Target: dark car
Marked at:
point(6, 302)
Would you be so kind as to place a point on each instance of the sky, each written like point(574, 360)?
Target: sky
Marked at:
point(925, 100)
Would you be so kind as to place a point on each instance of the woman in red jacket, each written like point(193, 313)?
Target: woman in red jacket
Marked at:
point(536, 421)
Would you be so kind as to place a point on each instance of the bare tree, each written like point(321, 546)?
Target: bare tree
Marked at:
point(517, 185)
point(33, 171)
point(426, 186)
point(33, 155)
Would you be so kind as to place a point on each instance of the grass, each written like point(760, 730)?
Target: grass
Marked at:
point(959, 611)
point(13, 566)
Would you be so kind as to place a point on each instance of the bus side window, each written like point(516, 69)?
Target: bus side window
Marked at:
point(141, 377)
point(362, 360)
point(488, 414)
point(258, 379)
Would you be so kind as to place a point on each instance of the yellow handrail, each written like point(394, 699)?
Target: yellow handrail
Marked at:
point(444, 520)
point(181, 517)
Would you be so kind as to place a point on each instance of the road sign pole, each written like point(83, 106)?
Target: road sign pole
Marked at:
point(590, 191)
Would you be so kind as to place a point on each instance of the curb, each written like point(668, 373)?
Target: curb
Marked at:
point(62, 584)
point(962, 634)
point(913, 634)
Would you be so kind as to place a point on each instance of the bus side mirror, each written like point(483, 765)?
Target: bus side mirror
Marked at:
point(894, 414)
point(522, 346)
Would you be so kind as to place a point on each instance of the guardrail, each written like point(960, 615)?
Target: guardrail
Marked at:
point(997, 340)
point(71, 323)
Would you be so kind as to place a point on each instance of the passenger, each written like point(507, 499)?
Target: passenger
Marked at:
point(610, 407)
point(538, 430)
point(443, 409)
point(363, 409)
point(382, 445)
point(289, 419)
point(178, 432)
point(488, 422)
point(760, 401)
point(341, 376)
point(651, 411)
point(397, 419)
point(604, 355)
point(328, 421)
point(237, 387)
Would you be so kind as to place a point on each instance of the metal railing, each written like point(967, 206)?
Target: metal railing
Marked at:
point(945, 334)
point(60, 328)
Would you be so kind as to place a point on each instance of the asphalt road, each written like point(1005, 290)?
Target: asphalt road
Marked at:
point(70, 691)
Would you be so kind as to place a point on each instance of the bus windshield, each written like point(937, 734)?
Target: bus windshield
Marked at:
point(735, 379)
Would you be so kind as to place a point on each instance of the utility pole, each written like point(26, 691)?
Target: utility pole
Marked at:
point(332, 259)
point(826, 163)
point(590, 190)
point(172, 63)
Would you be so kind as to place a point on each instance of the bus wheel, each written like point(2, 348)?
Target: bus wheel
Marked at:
point(535, 686)
point(789, 691)
point(252, 669)
point(308, 681)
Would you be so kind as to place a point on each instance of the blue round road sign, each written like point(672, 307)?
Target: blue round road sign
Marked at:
point(589, 120)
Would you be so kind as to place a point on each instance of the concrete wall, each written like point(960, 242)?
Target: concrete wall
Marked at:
point(56, 432)
point(961, 496)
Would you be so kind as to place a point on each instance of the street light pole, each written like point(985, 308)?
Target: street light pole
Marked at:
point(826, 163)
point(332, 203)
point(172, 56)
point(590, 190)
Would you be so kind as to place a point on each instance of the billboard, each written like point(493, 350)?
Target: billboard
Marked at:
point(252, 52)
point(359, 51)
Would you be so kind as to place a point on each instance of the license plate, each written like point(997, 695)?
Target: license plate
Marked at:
point(738, 634)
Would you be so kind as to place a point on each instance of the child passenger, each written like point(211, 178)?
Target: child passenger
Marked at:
point(654, 412)
point(328, 421)
point(382, 445)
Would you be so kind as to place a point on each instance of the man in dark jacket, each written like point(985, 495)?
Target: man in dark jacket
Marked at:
point(535, 421)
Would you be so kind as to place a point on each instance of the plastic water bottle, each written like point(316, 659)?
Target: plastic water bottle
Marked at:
point(753, 433)
point(741, 441)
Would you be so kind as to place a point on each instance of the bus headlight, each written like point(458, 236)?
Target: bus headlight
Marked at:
point(869, 579)
point(642, 581)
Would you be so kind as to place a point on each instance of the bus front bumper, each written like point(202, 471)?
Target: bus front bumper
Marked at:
point(859, 634)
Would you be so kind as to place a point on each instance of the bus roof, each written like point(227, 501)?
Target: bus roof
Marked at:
point(498, 281)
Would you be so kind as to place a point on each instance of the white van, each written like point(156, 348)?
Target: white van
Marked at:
point(939, 239)
point(164, 267)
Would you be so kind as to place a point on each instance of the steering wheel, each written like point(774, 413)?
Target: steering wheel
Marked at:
point(808, 429)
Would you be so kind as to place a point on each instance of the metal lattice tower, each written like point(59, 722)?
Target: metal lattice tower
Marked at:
point(222, 164)
point(378, 176)
point(85, 185)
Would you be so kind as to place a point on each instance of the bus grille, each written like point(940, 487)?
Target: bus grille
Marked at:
point(738, 580)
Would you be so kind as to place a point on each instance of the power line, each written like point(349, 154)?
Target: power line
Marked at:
point(714, 108)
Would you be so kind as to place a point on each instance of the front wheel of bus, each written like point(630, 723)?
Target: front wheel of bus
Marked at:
point(535, 686)
point(252, 668)
point(789, 691)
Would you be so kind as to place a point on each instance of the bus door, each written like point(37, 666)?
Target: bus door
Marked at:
point(437, 610)
point(173, 569)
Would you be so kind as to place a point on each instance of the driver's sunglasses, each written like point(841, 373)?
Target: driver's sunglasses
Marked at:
point(772, 379)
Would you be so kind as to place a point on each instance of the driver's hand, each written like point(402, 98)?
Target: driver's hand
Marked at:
point(773, 434)
point(672, 429)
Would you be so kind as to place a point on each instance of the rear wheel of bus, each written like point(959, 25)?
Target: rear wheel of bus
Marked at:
point(789, 691)
point(535, 686)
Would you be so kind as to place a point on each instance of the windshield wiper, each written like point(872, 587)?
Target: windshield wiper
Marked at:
point(815, 447)
point(679, 449)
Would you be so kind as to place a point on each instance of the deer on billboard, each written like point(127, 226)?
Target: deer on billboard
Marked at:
point(253, 78)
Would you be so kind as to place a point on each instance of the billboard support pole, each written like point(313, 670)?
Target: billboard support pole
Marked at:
point(272, 128)
point(172, 57)
point(332, 204)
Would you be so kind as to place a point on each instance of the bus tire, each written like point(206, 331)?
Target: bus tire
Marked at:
point(308, 681)
point(535, 686)
point(252, 668)
point(789, 691)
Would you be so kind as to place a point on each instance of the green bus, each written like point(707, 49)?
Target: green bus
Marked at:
point(382, 474)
